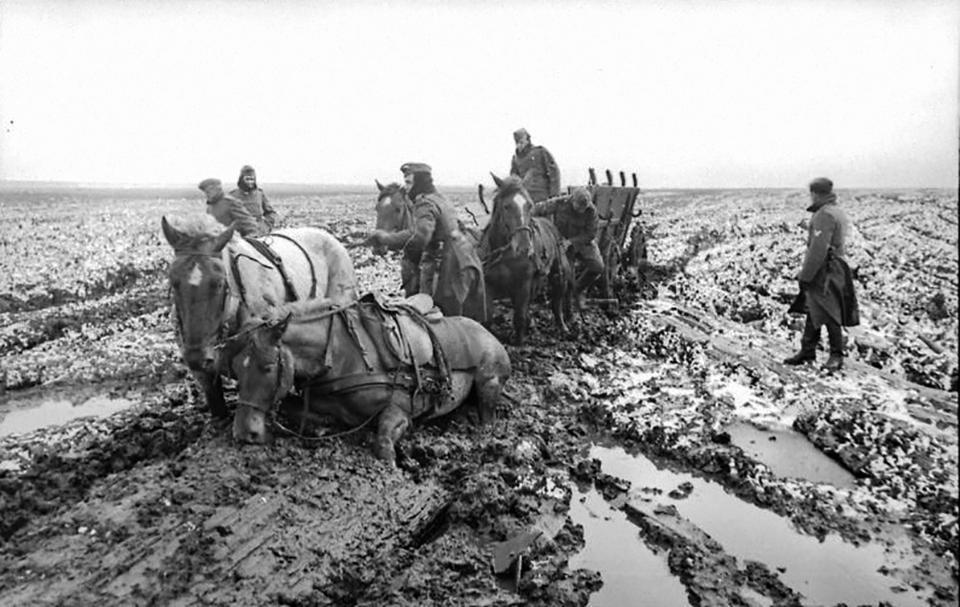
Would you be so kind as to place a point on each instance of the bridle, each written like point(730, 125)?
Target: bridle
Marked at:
point(224, 324)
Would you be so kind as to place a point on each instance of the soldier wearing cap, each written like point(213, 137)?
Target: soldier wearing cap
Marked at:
point(253, 198)
point(228, 210)
point(576, 219)
point(435, 242)
point(535, 166)
point(826, 282)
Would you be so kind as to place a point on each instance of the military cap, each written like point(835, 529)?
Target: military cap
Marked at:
point(821, 185)
point(520, 134)
point(415, 167)
point(209, 181)
point(247, 170)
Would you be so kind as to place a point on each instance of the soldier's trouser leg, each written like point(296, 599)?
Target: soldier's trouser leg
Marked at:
point(592, 262)
point(835, 337)
point(428, 272)
point(811, 337)
point(409, 277)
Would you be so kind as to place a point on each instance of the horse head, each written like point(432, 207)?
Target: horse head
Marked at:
point(510, 218)
point(394, 210)
point(264, 368)
point(198, 283)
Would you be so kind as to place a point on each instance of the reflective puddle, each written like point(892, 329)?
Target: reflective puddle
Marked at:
point(789, 454)
point(632, 574)
point(827, 572)
point(55, 412)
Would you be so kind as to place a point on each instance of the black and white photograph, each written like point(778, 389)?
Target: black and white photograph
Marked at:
point(426, 303)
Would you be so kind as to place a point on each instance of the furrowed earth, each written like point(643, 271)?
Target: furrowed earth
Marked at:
point(661, 456)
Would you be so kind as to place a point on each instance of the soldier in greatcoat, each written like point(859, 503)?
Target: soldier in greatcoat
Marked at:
point(535, 166)
point(253, 198)
point(826, 282)
point(228, 210)
point(435, 242)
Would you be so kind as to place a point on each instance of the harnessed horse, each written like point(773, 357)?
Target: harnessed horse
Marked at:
point(218, 282)
point(365, 362)
point(522, 250)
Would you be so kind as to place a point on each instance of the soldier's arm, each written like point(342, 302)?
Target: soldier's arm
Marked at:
point(395, 240)
point(242, 219)
point(821, 232)
point(514, 169)
point(547, 207)
point(589, 231)
point(424, 223)
point(269, 214)
point(552, 172)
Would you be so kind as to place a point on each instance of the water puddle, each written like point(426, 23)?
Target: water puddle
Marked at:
point(789, 454)
point(630, 570)
point(55, 412)
point(827, 572)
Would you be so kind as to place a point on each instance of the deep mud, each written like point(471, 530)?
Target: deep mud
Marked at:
point(619, 472)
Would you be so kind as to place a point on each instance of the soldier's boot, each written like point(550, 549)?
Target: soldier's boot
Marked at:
point(834, 363)
point(808, 345)
point(835, 335)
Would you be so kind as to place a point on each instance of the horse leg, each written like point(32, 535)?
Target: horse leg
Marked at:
point(559, 299)
point(392, 424)
point(520, 299)
point(212, 386)
point(488, 395)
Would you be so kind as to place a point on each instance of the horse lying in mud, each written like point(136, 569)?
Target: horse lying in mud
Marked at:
point(460, 289)
point(364, 362)
point(218, 281)
point(519, 252)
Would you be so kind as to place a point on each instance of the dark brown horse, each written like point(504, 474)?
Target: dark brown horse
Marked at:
point(365, 362)
point(520, 252)
point(460, 288)
point(218, 280)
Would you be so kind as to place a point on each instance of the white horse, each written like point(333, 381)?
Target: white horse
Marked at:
point(219, 280)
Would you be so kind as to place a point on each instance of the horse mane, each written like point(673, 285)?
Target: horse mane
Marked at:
point(197, 225)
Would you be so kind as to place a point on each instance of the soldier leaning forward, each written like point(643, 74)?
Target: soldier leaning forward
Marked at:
point(826, 282)
point(576, 219)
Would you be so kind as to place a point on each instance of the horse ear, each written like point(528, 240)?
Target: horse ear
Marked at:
point(379, 185)
point(496, 180)
point(173, 236)
point(222, 240)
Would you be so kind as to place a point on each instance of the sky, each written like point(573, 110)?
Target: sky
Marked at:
point(682, 93)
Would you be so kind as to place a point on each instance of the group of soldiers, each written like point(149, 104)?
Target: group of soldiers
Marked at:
point(827, 296)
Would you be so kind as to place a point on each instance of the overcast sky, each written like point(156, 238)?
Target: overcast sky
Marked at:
point(686, 94)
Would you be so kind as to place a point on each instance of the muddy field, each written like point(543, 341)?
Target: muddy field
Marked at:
point(663, 457)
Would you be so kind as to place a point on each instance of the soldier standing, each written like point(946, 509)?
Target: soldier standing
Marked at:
point(576, 219)
point(253, 198)
point(535, 166)
point(826, 282)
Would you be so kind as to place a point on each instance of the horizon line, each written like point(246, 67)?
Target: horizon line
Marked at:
point(297, 184)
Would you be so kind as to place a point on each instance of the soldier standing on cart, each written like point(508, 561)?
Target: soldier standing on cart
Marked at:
point(576, 218)
point(535, 166)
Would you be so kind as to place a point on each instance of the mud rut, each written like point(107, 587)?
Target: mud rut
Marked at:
point(157, 505)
